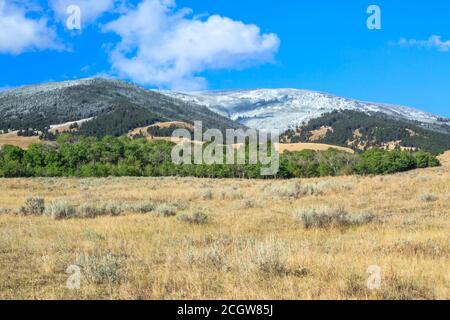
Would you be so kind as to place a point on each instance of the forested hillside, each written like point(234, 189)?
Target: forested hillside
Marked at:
point(364, 131)
point(37, 107)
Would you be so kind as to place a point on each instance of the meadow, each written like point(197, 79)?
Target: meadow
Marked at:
point(190, 238)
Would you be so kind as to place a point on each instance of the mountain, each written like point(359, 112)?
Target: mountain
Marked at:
point(362, 131)
point(114, 107)
point(289, 108)
point(120, 105)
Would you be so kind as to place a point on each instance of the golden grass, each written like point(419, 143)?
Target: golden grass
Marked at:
point(320, 133)
point(251, 247)
point(309, 146)
point(12, 138)
point(144, 130)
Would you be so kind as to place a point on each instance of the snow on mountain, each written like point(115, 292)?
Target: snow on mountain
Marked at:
point(286, 108)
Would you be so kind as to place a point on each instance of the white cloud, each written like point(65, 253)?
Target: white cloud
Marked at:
point(432, 42)
point(169, 48)
point(19, 33)
point(90, 9)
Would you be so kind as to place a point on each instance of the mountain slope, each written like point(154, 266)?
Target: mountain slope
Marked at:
point(363, 131)
point(288, 108)
point(40, 106)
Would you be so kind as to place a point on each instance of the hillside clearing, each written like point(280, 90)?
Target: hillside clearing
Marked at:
point(12, 138)
point(282, 147)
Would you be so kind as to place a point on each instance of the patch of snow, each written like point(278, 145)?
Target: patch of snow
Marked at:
point(68, 124)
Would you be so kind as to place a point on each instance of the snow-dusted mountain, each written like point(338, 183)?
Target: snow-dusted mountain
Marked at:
point(286, 108)
point(43, 105)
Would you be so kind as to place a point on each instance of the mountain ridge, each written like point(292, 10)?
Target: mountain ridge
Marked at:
point(287, 108)
point(40, 106)
point(116, 107)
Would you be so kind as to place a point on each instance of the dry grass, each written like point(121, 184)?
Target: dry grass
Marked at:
point(308, 146)
point(13, 139)
point(144, 130)
point(257, 251)
point(320, 133)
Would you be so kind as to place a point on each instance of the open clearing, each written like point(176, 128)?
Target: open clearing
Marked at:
point(251, 246)
point(13, 139)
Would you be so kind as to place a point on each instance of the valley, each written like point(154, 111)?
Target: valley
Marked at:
point(186, 238)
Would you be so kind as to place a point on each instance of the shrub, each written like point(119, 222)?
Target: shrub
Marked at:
point(111, 209)
point(428, 197)
point(195, 218)
point(325, 217)
point(142, 207)
point(33, 206)
point(60, 210)
point(268, 257)
point(232, 193)
point(209, 258)
point(294, 190)
point(288, 190)
point(207, 194)
point(88, 211)
point(101, 269)
point(166, 210)
point(249, 204)
point(5, 211)
point(327, 185)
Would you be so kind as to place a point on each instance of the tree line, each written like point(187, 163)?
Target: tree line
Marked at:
point(80, 156)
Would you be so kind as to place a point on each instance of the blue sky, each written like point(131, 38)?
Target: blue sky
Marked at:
point(221, 44)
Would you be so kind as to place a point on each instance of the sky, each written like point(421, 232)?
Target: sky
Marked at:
point(224, 44)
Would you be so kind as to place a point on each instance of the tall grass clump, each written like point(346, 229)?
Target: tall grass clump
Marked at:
point(33, 206)
point(325, 217)
point(60, 210)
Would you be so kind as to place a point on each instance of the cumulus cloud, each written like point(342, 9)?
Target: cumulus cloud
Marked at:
point(435, 42)
point(167, 47)
point(19, 33)
point(90, 9)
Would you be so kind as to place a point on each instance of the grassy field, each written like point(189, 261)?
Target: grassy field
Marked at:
point(231, 239)
point(13, 139)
